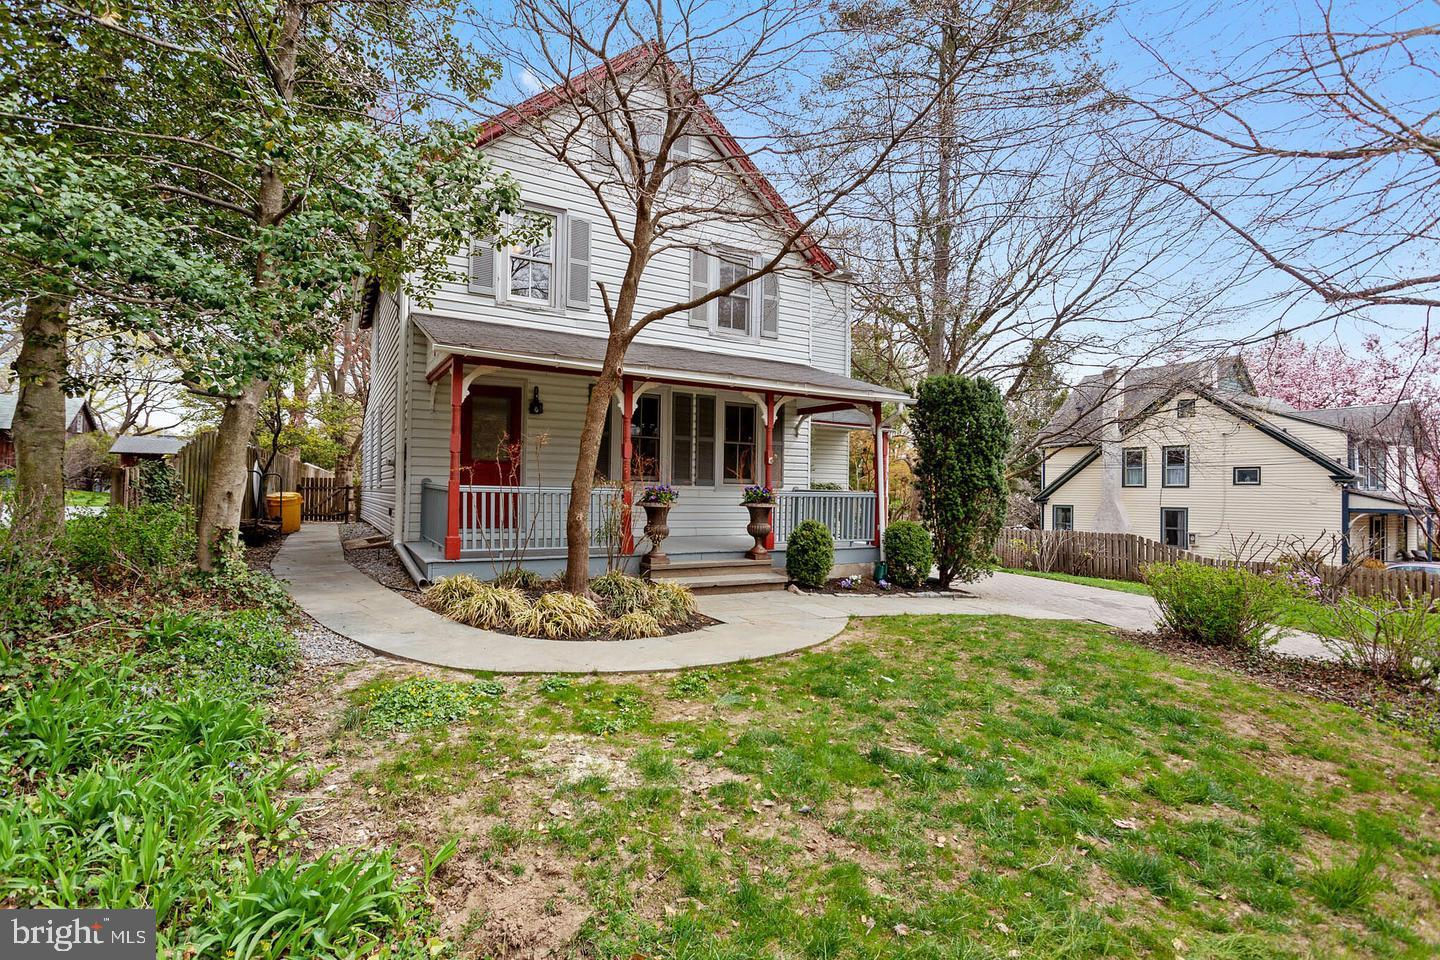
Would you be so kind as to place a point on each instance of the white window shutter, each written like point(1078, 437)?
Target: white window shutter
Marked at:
point(699, 286)
point(482, 267)
point(577, 267)
point(770, 306)
point(679, 160)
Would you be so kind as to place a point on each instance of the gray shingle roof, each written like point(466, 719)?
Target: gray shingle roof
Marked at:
point(1081, 418)
point(73, 406)
point(579, 352)
point(1369, 420)
point(163, 446)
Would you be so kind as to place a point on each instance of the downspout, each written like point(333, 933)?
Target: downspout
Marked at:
point(1344, 524)
point(402, 425)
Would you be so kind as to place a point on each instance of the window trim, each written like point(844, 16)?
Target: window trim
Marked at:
point(743, 262)
point(1165, 466)
point(659, 439)
point(559, 264)
point(1144, 467)
point(1055, 516)
point(1237, 482)
point(1185, 408)
point(724, 430)
point(1184, 530)
point(754, 294)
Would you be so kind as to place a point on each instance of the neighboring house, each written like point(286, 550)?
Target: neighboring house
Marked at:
point(131, 449)
point(750, 388)
point(1189, 455)
point(79, 418)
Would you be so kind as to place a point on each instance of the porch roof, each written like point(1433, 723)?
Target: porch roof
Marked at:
point(553, 349)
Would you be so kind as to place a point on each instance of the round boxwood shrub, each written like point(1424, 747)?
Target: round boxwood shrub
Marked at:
point(909, 553)
point(809, 553)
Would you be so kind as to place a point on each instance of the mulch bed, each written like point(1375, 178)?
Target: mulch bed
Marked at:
point(1412, 706)
point(869, 588)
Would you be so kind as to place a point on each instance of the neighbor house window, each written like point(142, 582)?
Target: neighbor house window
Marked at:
point(532, 265)
point(1063, 518)
point(1175, 527)
point(1185, 409)
point(1134, 475)
point(739, 443)
point(1247, 476)
point(733, 309)
point(1368, 460)
point(1177, 467)
point(645, 439)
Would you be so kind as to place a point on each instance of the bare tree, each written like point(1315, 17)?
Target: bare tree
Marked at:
point(1320, 152)
point(629, 109)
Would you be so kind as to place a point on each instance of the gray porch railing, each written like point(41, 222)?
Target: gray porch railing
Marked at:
point(501, 519)
point(850, 514)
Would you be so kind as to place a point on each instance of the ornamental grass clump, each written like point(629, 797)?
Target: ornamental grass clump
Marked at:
point(669, 603)
point(619, 593)
point(560, 616)
point(466, 600)
point(1217, 606)
point(633, 626)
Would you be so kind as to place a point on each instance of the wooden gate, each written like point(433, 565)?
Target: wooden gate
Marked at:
point(324, 498)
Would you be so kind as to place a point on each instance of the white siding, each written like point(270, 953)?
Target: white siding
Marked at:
point(830, 456)
point(378, 443)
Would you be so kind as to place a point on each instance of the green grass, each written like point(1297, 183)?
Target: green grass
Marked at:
point(1124, 586)
point(86, 498)
point(947, 787)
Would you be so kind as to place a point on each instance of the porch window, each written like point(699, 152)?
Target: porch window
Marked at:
point(1177, 467)
point(1134, 474)
point(1062, 518)
point(532, 265)
point(739, 443)
point(733, 309)
point(645, 439)
point(692, 440)
point(602, 462)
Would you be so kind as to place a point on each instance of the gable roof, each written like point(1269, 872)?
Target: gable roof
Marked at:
point(147, 445)
point(74, 406)
point(1081, 418)
point(651, 53)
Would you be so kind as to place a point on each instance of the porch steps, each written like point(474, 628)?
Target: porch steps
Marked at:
point(723, 576)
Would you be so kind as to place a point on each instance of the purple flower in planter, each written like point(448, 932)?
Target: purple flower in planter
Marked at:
point(662, 493)
point(757, 494)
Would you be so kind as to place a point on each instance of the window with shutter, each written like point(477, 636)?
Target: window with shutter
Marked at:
point(699, 286)
point(482, 267)
point(704, 441)
point(732, 311)
point(577, 270)
point(679, 160)
point(682, 439)
point(770, 306)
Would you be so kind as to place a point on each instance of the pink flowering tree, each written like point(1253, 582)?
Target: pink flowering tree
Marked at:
point(1313, 377)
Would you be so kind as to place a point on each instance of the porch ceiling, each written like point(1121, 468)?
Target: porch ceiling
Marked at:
point(552, 349)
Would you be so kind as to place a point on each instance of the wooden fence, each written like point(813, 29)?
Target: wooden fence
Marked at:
point(192, 466)
point(325, 498)
point(1123, 556)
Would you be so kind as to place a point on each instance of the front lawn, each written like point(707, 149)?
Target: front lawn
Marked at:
point(940, 787)
point(86, 498)
point(1124, 586)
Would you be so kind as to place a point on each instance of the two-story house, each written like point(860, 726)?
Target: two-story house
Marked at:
point(749, 388)
point(1189, 455)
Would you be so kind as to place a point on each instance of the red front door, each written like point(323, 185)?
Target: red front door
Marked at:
point(490, 436)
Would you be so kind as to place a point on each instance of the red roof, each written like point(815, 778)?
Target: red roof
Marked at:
point(545, 101)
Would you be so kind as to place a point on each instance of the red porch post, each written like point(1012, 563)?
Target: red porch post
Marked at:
point(769, 456)
point(452, 509)
point(880, 504)
point(627, 495)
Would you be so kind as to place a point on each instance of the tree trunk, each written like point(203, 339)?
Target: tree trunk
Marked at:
point(937, 362)
point(229, 472)
point(577, 518)
point(39, 423)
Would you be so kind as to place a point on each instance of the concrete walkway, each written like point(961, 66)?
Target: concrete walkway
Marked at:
point(752, 625)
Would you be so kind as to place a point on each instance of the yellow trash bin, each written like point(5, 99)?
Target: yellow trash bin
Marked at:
point(286, 506)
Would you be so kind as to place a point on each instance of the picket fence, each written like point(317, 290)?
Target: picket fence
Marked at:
point(1124, 556)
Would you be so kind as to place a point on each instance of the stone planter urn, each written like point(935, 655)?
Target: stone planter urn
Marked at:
point(657, 528)
point(759, 528)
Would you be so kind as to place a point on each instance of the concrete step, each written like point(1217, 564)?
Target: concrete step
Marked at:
point(733, 583)
point(692, 568)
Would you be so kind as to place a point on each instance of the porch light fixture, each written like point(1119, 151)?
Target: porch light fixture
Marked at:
point(536, 407)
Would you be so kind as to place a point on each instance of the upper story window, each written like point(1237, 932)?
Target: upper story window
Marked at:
point(1185, 409)
point(1368, 460)
point(1176, 467)
point(532, 266)
point(1134, 471)
point(1246, 476)
point(732, 311)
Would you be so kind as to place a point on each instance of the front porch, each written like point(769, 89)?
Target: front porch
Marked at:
point(503, 526)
